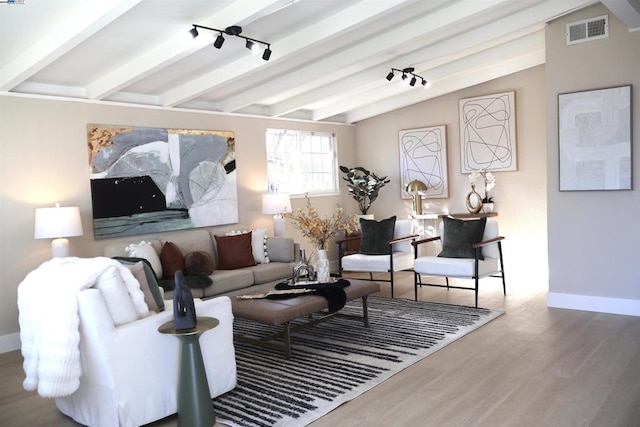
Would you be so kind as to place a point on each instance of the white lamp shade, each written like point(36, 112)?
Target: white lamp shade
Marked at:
point(276, 203)
point(52, 223)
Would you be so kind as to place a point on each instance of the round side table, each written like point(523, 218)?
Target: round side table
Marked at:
point(195, 408)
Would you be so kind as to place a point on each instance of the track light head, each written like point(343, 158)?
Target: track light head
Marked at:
point(426, 84)
point(219, 41)
point(404, 77)
point(413, 81)
point(250, 45)
point(390, 75)
point(194, 32)
point(267, 53)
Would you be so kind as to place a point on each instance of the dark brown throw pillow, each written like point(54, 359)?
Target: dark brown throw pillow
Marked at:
point(459, 235)
point(198, 262)
point(171, 259)
point(235, 251)
point(376, 235)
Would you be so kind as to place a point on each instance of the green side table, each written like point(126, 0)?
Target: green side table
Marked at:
point(195, 408)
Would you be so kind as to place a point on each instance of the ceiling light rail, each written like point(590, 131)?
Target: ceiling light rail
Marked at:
point(406, 73)
point(234, 30)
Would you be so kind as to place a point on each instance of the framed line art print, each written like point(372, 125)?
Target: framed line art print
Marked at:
point(594, 139)
point(423, 157)
point(488, 133)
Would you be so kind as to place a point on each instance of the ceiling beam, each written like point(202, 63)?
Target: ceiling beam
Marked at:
point(496, 62)
point(90, 18)
point(359, 56)
point(176, 48)
point(499, 30)
point(290, 45)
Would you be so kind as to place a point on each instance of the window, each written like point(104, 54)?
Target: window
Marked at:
point(301, 162)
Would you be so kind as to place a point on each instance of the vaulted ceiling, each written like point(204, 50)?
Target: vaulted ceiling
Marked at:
point(329, 62)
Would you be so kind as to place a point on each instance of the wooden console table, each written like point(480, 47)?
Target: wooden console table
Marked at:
point(466, 215)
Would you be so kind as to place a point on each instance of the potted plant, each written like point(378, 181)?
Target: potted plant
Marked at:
point(363, 185)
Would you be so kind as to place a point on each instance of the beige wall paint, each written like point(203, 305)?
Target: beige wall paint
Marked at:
point(593, 235)
point(43, 160)
point(519, 196)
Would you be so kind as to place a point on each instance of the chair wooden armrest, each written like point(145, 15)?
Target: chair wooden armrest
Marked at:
point(402, 239)
point(427, 240)
point(487, 242)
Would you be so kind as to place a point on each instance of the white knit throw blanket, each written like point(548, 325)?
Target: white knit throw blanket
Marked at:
point(49, 320)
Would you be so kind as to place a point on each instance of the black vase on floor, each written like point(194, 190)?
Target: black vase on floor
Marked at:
point(184, 312)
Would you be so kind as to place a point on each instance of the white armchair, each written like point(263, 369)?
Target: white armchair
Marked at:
point(130, 372)
point(472, 259)
point(399, 258)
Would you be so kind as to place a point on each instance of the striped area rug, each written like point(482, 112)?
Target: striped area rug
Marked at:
point(337, 360)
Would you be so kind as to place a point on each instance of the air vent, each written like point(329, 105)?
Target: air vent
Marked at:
point(588, 30)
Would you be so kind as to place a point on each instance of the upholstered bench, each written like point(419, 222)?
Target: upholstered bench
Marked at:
point(278, 312)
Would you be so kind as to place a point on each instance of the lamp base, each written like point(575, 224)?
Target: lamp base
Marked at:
point(278, 226)
point(60, 248)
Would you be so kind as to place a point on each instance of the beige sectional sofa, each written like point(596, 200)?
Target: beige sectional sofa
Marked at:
point(282, 252)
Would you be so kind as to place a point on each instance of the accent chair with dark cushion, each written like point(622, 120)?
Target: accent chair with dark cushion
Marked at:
point(471, 249)
point(385, 247)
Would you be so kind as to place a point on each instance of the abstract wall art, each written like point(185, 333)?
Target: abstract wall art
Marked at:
point(147, 180)
point(594, 135)
point(488, 133)
point(423, 157)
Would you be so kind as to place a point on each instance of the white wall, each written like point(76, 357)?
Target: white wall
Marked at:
point(44, 159)
point(519, 196)
point(594, 256)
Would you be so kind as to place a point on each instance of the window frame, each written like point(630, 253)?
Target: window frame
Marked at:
point(299, 141)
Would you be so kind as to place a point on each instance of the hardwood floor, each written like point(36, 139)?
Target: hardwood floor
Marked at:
point(533, 366)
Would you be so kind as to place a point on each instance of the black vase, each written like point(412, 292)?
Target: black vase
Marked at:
point(184, 312)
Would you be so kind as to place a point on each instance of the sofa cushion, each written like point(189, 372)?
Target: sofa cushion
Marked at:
point(281, 249)
point(227, 280)
point(264, 273)
point(258, 243)
point(376, 235)
point(459, 235)
point(171, 259)
point(197, 262)
point(146, 251)
point(234, 251)
point(195, 239)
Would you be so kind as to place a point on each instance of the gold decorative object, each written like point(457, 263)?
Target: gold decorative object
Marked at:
point(474, 201)
point(417, 189)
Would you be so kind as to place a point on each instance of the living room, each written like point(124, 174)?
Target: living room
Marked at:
point(584, 252)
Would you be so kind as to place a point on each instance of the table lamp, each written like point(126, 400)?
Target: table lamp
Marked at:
point(58, 223)
point(417, 189)
point(276, 204)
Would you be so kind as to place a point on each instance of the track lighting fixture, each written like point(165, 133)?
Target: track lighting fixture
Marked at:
point(406, 72)
point(234, 30)
point(219, 41)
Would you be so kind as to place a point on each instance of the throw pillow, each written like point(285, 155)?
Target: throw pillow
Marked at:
point(150, 275)
point(137, 270)
point(258, 243)
point(235, 251)
point(171, 259)
point(198, 262)
point(376, 235)
point(459, 235)
point(116, 296)
point(146, 251)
